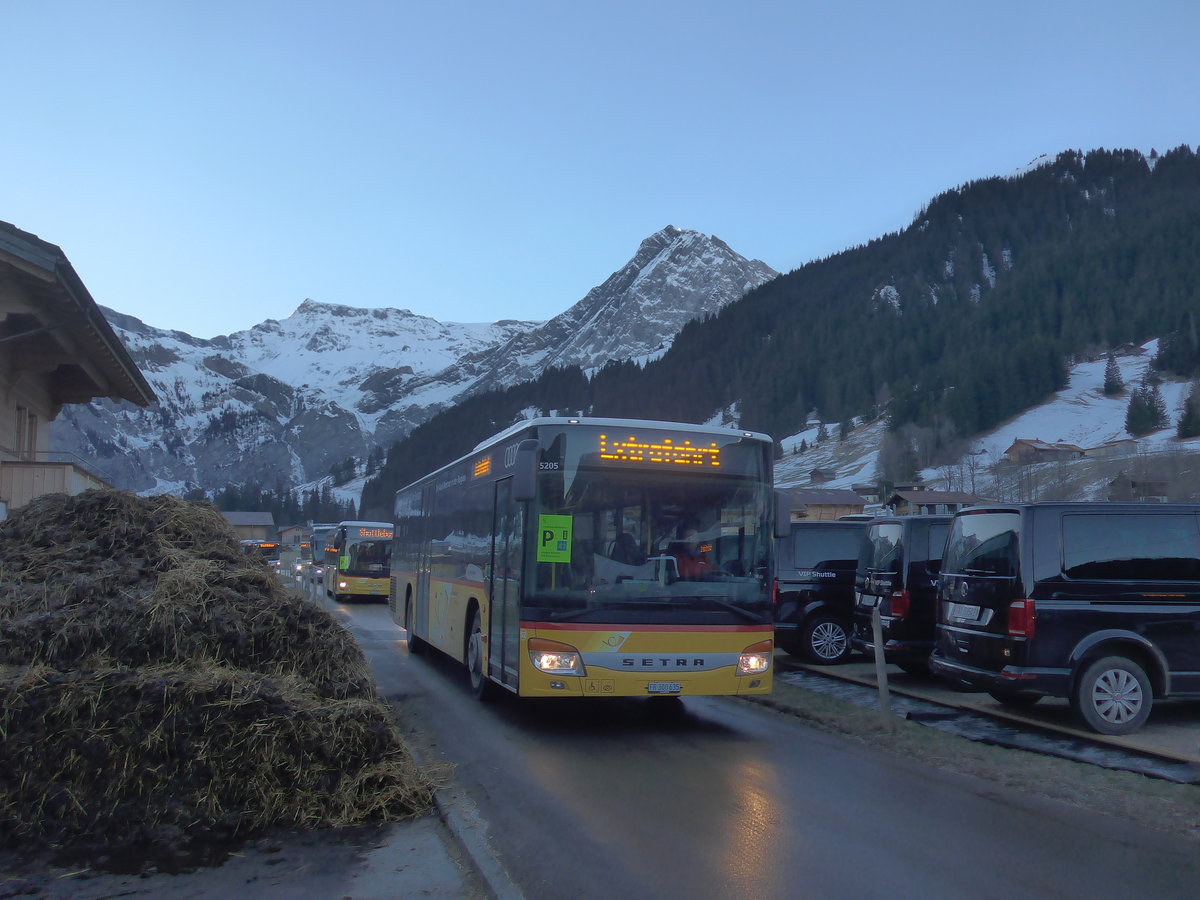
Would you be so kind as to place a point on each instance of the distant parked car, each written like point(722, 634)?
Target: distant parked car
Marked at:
point(1097, 602)
point(814, 568)
point(897, 572)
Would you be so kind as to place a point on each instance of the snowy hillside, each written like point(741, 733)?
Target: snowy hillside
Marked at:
point(1080, 415)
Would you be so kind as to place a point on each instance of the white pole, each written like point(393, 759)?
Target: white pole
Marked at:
point(885, 697)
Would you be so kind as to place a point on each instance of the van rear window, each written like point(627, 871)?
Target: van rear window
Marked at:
point(881, 549)
point(982, 544)
point(1131, 547)
point(824, 546)
point(937, 545)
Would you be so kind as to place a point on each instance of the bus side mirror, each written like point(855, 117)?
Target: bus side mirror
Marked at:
point(783, 515)
point(526, 470)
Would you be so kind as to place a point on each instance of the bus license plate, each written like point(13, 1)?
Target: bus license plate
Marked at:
point(664, 687)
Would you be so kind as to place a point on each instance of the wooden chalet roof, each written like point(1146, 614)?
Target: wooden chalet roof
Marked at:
point(250, 518)
point(926, 498)
point(1044, 446)
point(50, 324)
point(825, 497)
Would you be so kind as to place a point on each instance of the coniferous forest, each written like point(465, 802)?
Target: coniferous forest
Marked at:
point(956, 323)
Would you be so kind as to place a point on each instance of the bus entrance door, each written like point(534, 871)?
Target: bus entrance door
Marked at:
point(420, 613)
point(504, 591)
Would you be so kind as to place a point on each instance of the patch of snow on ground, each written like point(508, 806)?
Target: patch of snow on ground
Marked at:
point(1080, 414)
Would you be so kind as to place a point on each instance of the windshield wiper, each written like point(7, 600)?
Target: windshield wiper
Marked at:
point(733, 607)
point(609, 602)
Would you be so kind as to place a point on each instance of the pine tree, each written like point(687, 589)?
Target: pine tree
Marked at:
point(1136, 415)
point(1157, 407)
point(1113, 383)
point(1188, 425)
point(1146, 411)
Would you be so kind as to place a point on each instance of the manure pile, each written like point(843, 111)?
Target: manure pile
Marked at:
point(159, 687)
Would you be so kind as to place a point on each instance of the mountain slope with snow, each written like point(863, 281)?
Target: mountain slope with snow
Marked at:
point(283, 402)
point(1080, 415)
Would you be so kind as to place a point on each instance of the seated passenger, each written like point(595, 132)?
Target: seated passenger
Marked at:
point(692, 563)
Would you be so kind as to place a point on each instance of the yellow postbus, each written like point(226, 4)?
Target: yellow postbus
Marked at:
point(595, 558)
point(357, 560)
point(266, 550)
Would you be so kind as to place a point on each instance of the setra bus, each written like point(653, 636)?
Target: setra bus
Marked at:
point(318, 531)
point(589, 557)
point(357, 560)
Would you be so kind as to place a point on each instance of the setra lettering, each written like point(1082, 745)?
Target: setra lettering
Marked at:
point(662, 662)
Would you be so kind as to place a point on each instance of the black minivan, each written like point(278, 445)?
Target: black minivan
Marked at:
point(1095, 601)
point(814, 589)
point(897, 572)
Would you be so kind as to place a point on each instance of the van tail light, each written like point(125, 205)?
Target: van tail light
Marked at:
point(901, 602)
point(1022, 617)
point(775, 593)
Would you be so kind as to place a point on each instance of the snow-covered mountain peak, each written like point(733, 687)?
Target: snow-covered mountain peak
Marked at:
point(285, 400)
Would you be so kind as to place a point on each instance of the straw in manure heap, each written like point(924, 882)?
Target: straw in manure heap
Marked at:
point(159, 686)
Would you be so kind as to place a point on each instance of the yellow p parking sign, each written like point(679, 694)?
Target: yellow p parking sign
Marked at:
point(554, 539)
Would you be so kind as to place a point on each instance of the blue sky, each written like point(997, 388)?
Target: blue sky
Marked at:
point(209, 165)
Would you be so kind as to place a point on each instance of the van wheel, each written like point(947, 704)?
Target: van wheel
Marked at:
point(416, 646)
point(481, 686)
point(1113, 696)
point(826, 641)
point(1015, 699)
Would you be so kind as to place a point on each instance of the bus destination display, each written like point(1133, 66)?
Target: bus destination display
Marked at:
point(665, 452)
point(373, 533)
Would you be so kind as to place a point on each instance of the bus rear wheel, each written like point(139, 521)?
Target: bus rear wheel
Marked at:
point(416, 646)
point(481, 686)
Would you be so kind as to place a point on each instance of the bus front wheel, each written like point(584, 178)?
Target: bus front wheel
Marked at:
point(481, 686)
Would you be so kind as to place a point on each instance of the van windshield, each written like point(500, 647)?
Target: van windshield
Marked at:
point(982, 544)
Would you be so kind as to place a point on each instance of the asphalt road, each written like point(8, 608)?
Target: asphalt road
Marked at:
point(722, 798)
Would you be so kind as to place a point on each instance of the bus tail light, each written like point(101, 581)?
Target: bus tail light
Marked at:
point(901, 603)
point(555, 658)
point(755, 659)
point(1021, 618)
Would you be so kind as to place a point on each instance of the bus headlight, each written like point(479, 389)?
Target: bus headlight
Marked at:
point(755, 659)
point(555, 658)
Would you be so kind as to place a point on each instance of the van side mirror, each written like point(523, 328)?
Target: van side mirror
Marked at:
point(783, 515)
point(526, 470)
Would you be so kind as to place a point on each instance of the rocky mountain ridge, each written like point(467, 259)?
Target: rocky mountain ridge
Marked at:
point(284, 401)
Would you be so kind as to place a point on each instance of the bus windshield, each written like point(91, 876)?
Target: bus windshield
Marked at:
point(640, 540)
point(268, 550)
point(367, 557)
